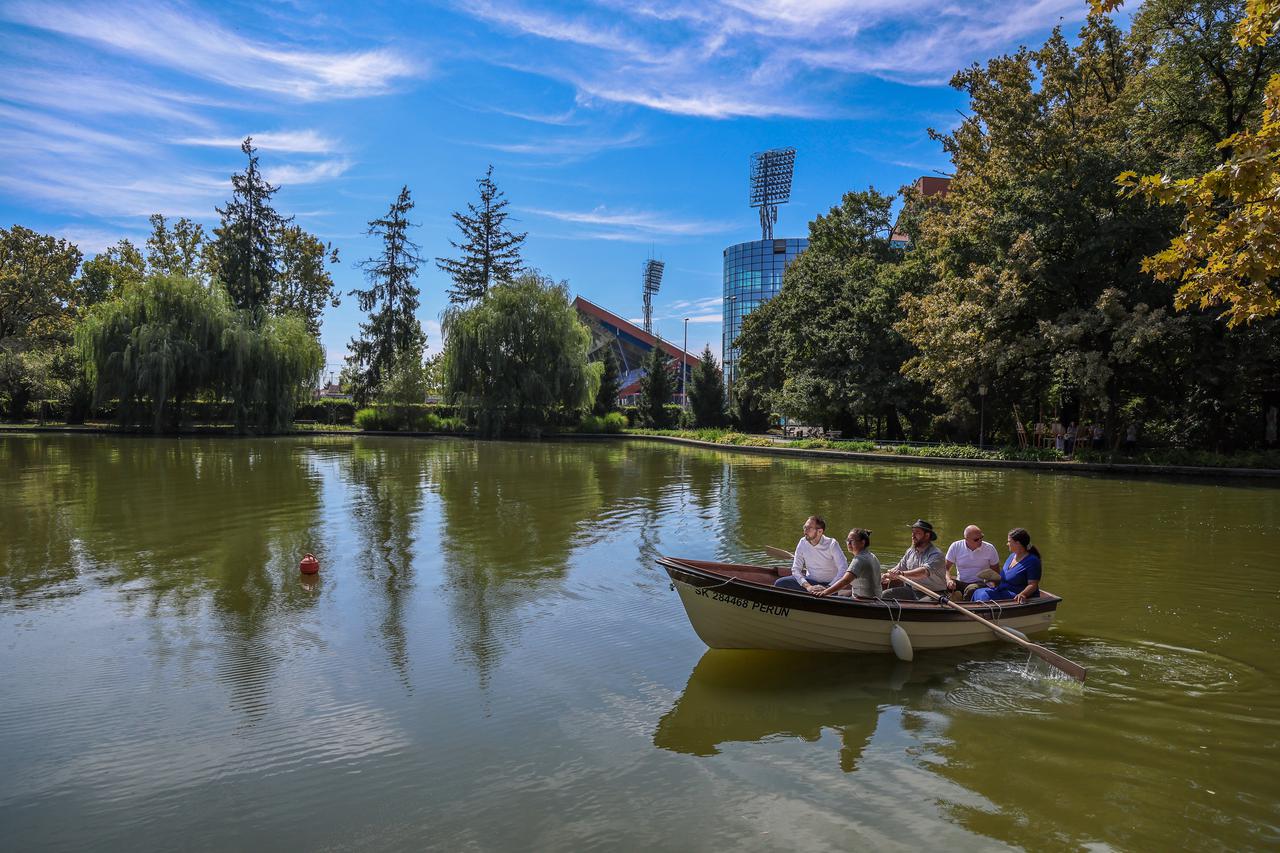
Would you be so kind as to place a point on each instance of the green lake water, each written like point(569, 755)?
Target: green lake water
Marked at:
point(490, 659)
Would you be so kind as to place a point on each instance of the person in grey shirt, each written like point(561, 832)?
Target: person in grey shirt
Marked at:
point(864, 568)
point(923, 563)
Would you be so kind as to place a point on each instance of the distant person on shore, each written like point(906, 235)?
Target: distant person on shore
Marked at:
point(1131, 438)
point(1070, 446)
point(1099, 437)
point(863, 573)
point(974, 562)
point(1020, 575)
point(818, 559)
point(922, 563)
point(1059, 435)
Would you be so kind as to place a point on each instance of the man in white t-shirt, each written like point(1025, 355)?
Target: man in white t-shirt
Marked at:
point(818, 559)
point(969, 558)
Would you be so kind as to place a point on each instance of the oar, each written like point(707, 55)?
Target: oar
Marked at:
point(778, 553)
point(1055, 660)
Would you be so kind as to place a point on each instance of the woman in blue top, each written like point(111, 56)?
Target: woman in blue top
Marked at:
point(1020, 576)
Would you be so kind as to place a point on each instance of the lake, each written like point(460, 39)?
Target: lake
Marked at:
point(490, 658)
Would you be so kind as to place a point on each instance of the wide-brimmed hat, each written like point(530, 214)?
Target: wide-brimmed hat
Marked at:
point(927, 527)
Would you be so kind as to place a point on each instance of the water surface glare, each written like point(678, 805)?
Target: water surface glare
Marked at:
point(490, 659)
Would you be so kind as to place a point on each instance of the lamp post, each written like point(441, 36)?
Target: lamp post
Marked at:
point(684, 366)
point(982, 414)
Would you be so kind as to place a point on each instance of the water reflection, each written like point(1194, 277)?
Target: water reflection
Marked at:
point(748, 697)
point(169, 524)
point(388, 483)
point(511, 515)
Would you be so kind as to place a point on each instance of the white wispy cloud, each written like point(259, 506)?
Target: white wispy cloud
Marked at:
point(291, 141)
point(756, 58)
point(567, 147)
point(195, 44)
point(633, 225)
point(306, 173)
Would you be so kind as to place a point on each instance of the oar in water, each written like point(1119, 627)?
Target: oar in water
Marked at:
point(1055, 660)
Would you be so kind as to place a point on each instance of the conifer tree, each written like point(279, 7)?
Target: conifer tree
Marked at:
point(244, 252)
point(393, 329)
point(490, 252)
point(607, 395)
point(706, 394)
point(656, 387)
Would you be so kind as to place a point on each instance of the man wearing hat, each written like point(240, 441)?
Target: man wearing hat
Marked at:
point(923, 563)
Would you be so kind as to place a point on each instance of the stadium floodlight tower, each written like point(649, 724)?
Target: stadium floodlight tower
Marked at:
point(652, 281)
point(771, 184)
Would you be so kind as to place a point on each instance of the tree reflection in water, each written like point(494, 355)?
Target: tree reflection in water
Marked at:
point(512, 515)
point(389, 480)
point(171, 524)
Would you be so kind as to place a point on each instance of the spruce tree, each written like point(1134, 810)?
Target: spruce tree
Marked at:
point(656, 388)
point(607, 395)
point(490, 252)
point(706, 394)
point(393, 329)
point(244, 251)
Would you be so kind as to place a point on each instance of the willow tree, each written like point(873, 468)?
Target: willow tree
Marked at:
point(517, 359)
point(170, 339)
point(267, 369)
point(155, 346)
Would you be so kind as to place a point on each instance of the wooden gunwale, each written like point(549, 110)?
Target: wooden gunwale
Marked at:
point(735, 579)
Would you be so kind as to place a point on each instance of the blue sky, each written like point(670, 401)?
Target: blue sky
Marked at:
point(617, 128)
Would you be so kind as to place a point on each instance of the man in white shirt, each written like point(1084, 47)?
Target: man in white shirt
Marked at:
point(818, 559)
point(969, 558)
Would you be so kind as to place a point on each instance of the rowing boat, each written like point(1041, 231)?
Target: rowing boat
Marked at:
point(736, 606)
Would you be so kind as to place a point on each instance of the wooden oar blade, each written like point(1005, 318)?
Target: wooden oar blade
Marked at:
point(1059, 663)
point(778, 553)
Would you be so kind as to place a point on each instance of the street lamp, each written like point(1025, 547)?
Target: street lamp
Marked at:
point(982, 414)
point(684, 366)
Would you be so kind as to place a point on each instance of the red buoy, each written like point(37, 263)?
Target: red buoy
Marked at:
point(309, 565)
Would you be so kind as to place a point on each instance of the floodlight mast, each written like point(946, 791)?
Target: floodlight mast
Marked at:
point(771, 173)
point(652, 281)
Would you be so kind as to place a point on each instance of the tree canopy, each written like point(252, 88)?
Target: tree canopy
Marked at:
point(490, 252)
point(391, 300)
point(516, 360)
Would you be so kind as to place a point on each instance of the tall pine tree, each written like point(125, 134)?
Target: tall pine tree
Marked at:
point(706, 394)
point(393, 329)
point(490, 252)
point(607, 395)
point(656, 388)
point(244, 251)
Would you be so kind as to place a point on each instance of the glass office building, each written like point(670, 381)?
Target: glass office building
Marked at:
point(752, 274)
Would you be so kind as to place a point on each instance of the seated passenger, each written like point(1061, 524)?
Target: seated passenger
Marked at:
point(864, 569)
point(1020, 576)
point(922, 563)
point(974, 562)
point(818, 558)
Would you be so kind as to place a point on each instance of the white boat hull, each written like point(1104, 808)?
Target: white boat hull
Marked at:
point(726, 618)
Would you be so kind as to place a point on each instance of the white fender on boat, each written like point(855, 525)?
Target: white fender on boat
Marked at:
point(901, 642)
point(1015, 631)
